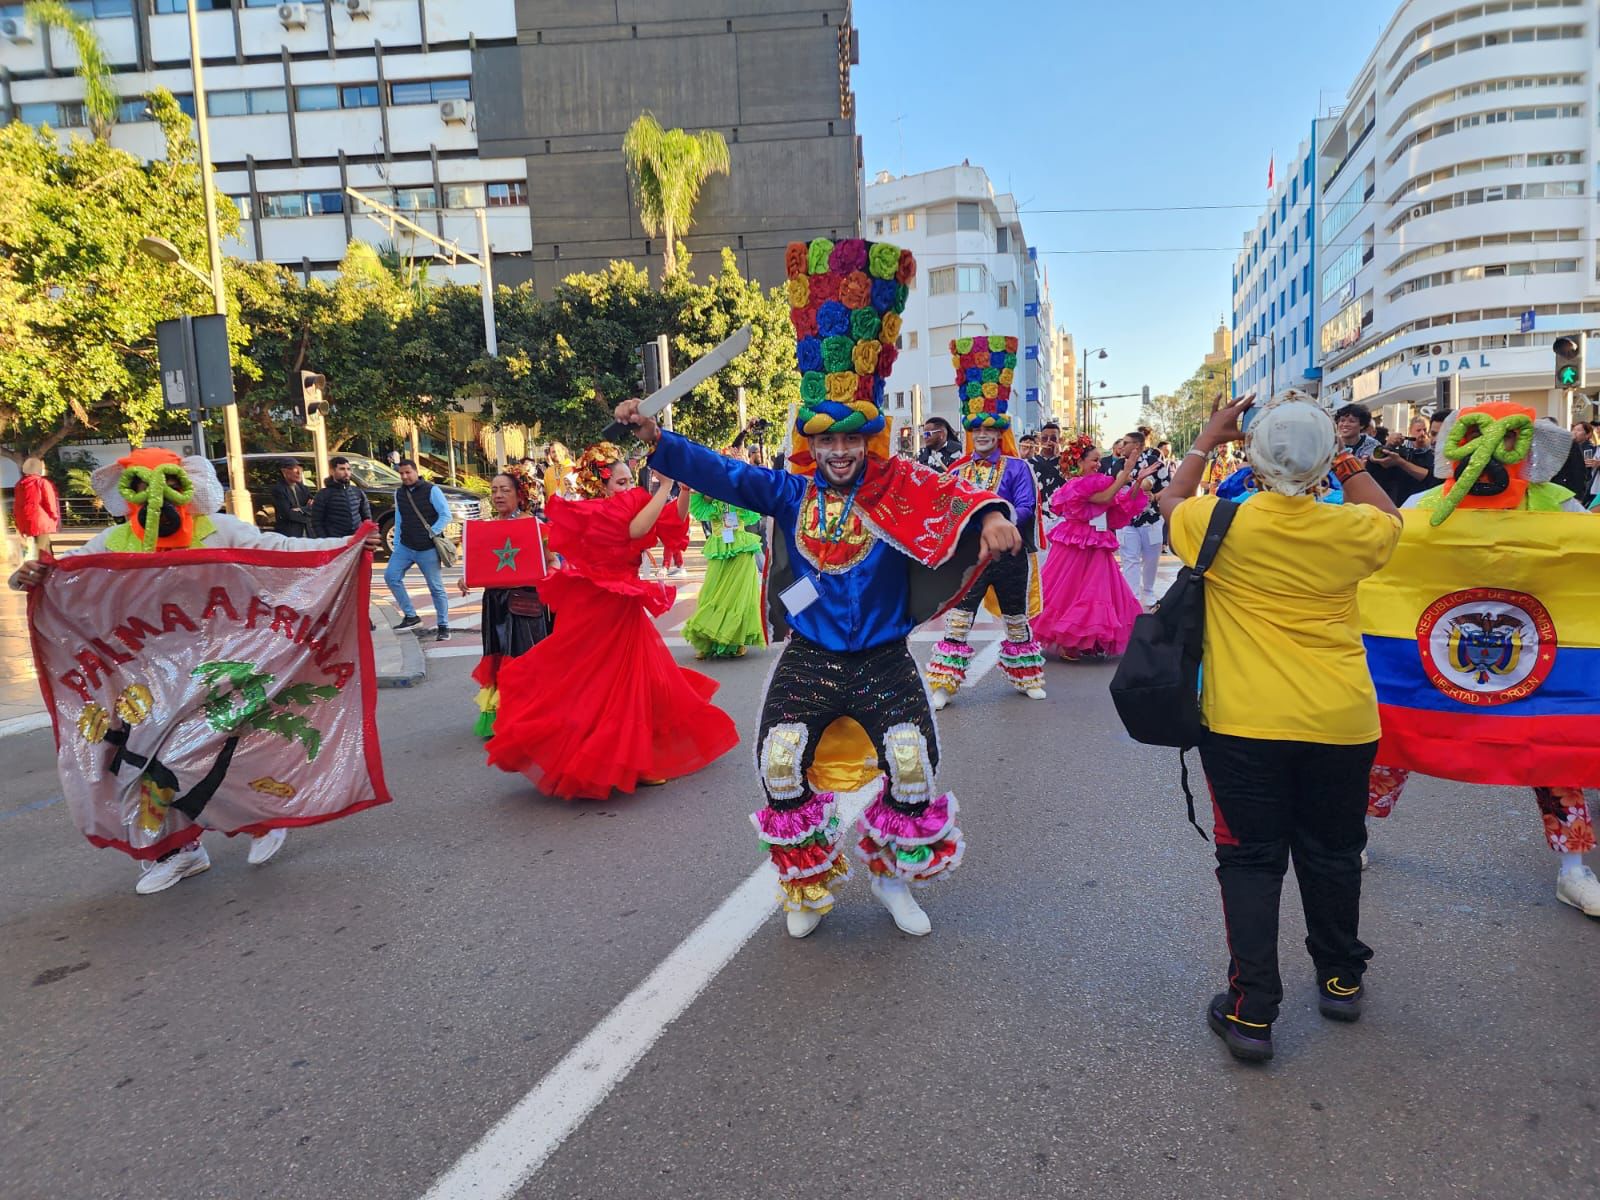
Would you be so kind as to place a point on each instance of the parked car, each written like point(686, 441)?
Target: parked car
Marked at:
point(378, 480)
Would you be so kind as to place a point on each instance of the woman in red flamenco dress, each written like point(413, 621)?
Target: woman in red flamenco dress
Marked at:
point(601, 705)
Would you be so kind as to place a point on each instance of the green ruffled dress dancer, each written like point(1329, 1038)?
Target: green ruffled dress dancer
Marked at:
point(728, 617)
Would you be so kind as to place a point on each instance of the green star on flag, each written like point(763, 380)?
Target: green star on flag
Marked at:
point(507, 555)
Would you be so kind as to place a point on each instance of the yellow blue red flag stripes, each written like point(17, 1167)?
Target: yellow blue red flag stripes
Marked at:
point(1483, 637)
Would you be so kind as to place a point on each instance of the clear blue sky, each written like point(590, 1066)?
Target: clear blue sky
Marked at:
point(1113, 106)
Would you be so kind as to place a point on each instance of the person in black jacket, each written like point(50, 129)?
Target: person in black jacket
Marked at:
point(339, 508)
point(291, 502)
point(939, 445)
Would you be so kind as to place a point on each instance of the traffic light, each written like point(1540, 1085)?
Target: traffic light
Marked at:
point(1569, 361)
point(312, 401)
point(650, 357)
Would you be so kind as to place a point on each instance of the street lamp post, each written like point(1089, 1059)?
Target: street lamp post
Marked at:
point(969, 313)
point(238, 489)
point(1084, 401)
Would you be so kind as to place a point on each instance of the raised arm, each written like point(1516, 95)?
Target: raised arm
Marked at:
point(759, 489)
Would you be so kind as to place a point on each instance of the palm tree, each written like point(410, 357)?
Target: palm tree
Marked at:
point(667, 168)
point(100, 99)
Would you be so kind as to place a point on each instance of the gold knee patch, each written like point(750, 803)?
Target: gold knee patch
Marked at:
point(910, 772)
point(781, 756)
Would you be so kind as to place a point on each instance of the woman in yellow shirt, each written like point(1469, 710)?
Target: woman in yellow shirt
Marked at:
point(1291, 714)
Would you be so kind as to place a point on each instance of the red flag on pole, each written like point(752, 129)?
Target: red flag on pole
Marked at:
point(502, 554)
point(1272, 172)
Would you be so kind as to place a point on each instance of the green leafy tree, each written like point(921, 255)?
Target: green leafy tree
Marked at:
point(100, 99)
point(80, 302)
point(1180, 415)
point(667, 168)
point(236, 697)
point(567, 361)
point(708, 313)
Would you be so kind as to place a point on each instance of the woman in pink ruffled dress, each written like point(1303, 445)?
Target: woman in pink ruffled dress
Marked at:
point(1088, 606)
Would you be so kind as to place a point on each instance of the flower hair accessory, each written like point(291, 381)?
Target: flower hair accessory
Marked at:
point(1072, 453)
point(595, 469)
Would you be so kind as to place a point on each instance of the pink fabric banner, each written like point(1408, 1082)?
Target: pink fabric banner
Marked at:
point(230, 689)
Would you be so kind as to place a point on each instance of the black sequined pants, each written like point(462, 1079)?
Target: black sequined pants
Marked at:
point(881, 689)
point(1008, 576)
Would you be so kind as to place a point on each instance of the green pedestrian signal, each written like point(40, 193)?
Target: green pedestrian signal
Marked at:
point(1570, 354)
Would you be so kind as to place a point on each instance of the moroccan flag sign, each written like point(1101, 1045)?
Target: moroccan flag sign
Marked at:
point(503, 554)
point(209, 689)
point(1483, 637)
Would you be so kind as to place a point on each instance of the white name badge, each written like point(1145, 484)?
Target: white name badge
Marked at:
point(799, 595)
point(730, 524)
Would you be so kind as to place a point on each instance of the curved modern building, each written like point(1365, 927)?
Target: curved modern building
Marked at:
point(1454, 220)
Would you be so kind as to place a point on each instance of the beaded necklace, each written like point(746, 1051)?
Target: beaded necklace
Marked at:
point(984, 475)
point(833, 530)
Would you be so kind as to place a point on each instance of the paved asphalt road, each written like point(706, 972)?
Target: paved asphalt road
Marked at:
point(348, 1020)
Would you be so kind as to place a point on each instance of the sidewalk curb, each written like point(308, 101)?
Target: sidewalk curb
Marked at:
point(413, 668)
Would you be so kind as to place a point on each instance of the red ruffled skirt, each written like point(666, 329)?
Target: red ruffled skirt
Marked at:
point(601, 704)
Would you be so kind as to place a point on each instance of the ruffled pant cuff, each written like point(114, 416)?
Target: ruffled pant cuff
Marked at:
point(947, 668)
point(805, 847)
point(1023, 664)
point(915, 847)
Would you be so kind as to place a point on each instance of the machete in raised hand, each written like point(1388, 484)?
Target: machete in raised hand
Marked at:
point(681, 385)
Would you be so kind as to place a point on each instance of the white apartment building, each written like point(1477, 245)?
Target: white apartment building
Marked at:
point(1457, 228)
point(976, 274)
point(1275, 283)
point(304, 100)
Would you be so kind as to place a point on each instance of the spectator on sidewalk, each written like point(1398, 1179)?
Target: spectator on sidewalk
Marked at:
point(939, 448)
point(291, 502)
point(35, 508)
point(341, 507)
point(420, 514)
point(1291, 715)
point(1404, 466)
point(1142, 538)
point(1353, 424)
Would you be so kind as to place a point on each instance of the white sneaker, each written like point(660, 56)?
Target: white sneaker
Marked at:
point(676, 573)
point(940, 699)
point(265, 846)
point(1034, 693)
point(894, 895)
point(1578, 887)
point(159, 876)
point(803, 922)
point(1365, 861)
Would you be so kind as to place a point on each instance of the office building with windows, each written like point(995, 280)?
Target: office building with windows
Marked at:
point(439, 107)
point(1459, 232)
point(976, 274)
point(1277, 287)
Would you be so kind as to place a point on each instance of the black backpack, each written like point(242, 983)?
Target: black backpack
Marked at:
point(1156, 689)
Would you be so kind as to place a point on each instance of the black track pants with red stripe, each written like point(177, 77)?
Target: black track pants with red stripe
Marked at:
point(1274, 801)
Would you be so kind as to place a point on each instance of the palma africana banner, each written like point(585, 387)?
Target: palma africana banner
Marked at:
point(209, 689)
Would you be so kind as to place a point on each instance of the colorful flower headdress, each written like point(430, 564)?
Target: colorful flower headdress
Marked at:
point(595, 467)
point(1072, 453)
point(845, 300)
point(984, 367)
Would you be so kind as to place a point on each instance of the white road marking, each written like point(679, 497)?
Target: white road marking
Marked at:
point(514, 1149)
point(27, 724)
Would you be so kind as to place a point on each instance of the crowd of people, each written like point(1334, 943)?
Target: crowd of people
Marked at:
point(841, 549)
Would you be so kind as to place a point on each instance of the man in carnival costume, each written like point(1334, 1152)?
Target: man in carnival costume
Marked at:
point(984, 367)
point(866, 546)
point(169, 504)
point(1480, 635)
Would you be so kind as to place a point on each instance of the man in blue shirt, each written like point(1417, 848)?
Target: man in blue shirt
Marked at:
point(865, 549)
point(420, 514)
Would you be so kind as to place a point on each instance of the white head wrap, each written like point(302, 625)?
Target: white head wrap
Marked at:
point(1290, 444)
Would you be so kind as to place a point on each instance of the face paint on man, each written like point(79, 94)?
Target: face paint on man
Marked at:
point(840, 457)
point(984, 440)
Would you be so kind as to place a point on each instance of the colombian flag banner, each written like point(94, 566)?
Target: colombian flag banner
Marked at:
point(1483, 637)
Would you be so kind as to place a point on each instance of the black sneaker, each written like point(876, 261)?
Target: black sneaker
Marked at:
point(1246, 1040)
point(1338, 1000)
point(410, 622)
point(444, 633)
